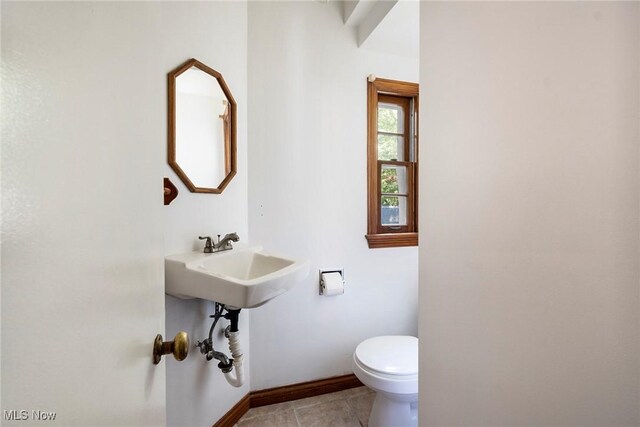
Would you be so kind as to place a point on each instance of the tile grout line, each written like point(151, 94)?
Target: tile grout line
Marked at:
point(295, 414)
point(351, 405)
point(353, 410)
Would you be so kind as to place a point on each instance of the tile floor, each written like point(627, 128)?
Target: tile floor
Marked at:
point(347, 408)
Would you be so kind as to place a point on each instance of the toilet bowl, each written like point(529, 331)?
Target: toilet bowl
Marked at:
point(389, 366)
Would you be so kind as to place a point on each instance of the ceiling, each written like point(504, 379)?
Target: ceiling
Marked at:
point(389, 26)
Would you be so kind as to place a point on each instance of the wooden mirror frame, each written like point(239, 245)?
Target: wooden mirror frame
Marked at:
point(229, 128)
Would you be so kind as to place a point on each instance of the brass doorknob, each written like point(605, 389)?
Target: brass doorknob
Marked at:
point(179, 347)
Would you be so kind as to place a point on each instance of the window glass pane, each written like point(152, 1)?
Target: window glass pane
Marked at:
point(393, 210)
point(390, 147)
point(390, 118)
point(393, 179)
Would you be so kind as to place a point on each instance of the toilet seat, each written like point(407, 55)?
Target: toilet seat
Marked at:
point(388, 363)
point(392, 354)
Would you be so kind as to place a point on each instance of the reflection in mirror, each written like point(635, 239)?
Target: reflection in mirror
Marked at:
point(201, 127)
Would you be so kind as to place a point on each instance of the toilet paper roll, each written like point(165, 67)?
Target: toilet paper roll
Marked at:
point(332, 284)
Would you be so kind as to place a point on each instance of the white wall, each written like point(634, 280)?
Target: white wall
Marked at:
point(215, 33)
point(307, 192)
point(529, 299)
point(83, 131)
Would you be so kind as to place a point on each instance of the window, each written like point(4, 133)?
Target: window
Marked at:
point(392, 152)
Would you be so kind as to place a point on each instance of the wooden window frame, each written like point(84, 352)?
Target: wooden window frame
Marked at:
point(379, 236)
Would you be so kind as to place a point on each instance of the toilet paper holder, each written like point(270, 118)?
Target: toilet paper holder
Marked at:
point(321, 281)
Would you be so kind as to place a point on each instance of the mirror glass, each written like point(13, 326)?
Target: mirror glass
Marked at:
point(201, 128)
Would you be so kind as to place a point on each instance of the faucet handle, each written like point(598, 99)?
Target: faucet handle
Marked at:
point(208, 245)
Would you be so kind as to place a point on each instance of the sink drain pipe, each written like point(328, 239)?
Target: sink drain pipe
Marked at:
point(233, 335)
point(226, 365)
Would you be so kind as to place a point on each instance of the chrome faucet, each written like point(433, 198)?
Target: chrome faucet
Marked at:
point(223, 244)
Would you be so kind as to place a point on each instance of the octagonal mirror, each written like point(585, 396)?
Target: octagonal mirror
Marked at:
point(202, 128)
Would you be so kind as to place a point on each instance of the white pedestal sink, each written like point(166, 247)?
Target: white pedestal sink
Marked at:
point(244, 277)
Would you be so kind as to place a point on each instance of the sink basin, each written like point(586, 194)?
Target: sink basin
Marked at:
point(244, 277)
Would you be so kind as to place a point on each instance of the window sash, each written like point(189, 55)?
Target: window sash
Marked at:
point(410, 195)
point(406, 94)
point(405, 104)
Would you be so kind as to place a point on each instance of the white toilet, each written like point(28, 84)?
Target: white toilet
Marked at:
point(389, 366)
